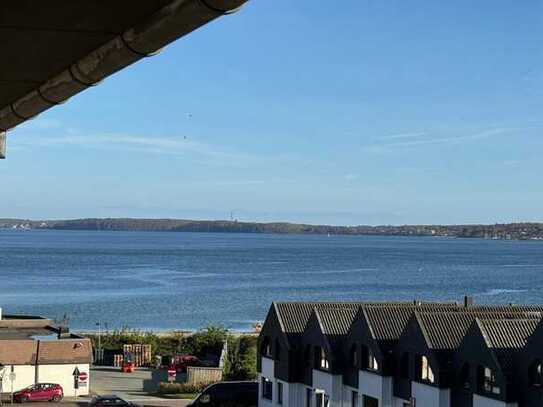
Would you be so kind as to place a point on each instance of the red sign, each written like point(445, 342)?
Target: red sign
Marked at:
point(172, 372)
point(83, 376)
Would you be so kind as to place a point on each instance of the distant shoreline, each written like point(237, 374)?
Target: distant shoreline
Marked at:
point(509, 231)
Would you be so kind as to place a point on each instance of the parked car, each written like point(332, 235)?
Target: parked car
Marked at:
point(111, 401)
point(228, 394)
point(181, 362)
point(39, 392)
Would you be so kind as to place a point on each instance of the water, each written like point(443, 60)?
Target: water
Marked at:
point(165, 281)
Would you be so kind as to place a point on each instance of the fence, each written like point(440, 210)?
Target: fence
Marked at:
point(141, 353)
point(203, 375)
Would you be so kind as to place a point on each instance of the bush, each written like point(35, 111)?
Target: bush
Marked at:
point(181, 388)
point(241, 359)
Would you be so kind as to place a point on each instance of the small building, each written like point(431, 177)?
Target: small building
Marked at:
point(34, 350)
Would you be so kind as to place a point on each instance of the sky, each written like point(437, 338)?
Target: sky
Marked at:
point(367, 112)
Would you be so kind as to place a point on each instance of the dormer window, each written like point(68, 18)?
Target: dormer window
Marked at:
point(277, 350)
point(426, 372)
point(372, 361)
point(324, 362)
point(487, 380)
point(353, 356)
point(536, 374)
point(266, 348)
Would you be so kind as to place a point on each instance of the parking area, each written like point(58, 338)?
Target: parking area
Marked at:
point(129, 386)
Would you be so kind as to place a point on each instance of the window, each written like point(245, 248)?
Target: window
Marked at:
point(370, 401)
point(464, 379)
point(267, 389)
point(323, 362)
point(489, 384)
point(536, 377)
point(308, 396)
point(426, 372)
point(404, 366)
point(372, 361)
point(353, 356)
point(354, 399)
point(279, 393)
point(266, 348)
point(277, 350)
point(322, 399)
point(307, 355)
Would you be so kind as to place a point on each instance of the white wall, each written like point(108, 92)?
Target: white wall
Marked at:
point(330, 384)
point(63, 375)
point(481, 401)
point(268, 371)
point(24, 377)
point(397, 402)
point(296, 393)
point(430, 396)
point(376, 386)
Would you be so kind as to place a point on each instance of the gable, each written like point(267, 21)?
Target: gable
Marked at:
point(273, 329)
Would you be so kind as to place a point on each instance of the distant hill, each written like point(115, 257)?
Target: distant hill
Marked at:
point(520, 231)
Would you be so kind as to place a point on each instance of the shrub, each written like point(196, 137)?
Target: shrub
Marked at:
point(181, 388)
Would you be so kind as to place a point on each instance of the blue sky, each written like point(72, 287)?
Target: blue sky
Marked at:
point(368, 113)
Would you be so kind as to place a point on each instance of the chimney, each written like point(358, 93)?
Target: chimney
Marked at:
point(468, 301)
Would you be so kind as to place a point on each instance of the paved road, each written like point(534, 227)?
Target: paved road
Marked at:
point(128, 386)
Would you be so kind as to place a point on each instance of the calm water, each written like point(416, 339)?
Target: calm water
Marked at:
point(188, 280)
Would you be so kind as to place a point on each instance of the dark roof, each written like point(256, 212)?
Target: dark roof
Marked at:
point(294, 315)
point(54, 49)
point(505, 337)
point(445, 330)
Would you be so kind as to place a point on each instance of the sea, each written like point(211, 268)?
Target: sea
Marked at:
point(160, 281)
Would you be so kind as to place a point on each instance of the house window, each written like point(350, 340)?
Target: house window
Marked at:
point(307, 356)
point(368, 401)
point(279, 393)
point(322, 399)
point(267, 389)
point(266, 348)
point(404, 366)
point(353, 356)
point(324, 362)
point(487, 379)
point(277, 350)
point(536, 377)
point(464, 379)
point(308, 396)
point(354, 399)
point(372, 361)
point(426, 372)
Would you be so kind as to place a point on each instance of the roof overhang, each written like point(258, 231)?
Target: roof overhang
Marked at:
point(54, 49)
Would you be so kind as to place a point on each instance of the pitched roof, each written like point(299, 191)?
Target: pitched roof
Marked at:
point(446, 330)
point(508, 333)
point(18, 352)
point(294, 315)
point(505, 337)
point(65, 351)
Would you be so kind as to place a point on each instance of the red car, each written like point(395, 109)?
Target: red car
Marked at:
point(181, 362)
point(39, 392)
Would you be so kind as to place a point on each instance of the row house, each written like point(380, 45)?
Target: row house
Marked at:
point(400, 355)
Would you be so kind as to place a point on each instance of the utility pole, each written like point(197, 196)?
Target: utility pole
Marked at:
point(99, 323)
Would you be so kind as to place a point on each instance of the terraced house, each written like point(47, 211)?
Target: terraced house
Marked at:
point(401, 355)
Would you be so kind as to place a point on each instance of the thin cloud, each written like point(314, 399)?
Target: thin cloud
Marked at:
point(429, 140)
point(405, 135)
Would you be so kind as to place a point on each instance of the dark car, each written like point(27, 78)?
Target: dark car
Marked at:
point(39, 392)
point(228, 394)
point(111, 401)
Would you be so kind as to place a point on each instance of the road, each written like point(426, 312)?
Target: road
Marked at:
point(129, 386)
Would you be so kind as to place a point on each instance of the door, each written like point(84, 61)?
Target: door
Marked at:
point(39, 393)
